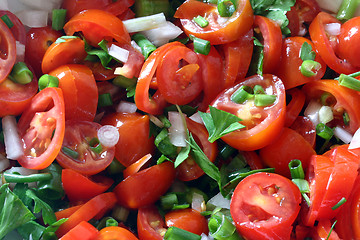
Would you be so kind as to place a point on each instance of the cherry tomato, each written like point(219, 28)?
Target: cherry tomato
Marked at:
point(305, 127)
point(295, 105)
point(37, 42)
point(135, 140)
point(42, 127)
point(302, 13)
point(146, 186)
point(80, 91)
point(264, 206)
point(187, 219)
point(216, 32)
point(262, 124)
point(150, 224)
point(8, 51)
point(18, 29)
point(115, 233)
point(97, 25)
point(78, 148)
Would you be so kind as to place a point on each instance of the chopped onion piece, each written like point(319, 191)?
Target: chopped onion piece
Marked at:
point(144, 23)
point(325, 114)
point(219, 201)
point(4, 163)
point(312, 112)
point(177, 132)
point(33, 18)
point(45, 5)
point(198, 202)
point(135, 45)
point(330, 5)
point(156, 121)
point(343, 135)
point(108, 135)
point(119, 53)
point(4, 5)
point(355, 141)
point(333, 29)
point(206, 237)
point(20, 52)
point(126, 107)
point(13, 143)
point(22, 171)
point(196, 118)
point(162, 34)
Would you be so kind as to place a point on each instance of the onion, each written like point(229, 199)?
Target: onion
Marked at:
point(206, 237)
point(4, 163)
point(20, 52)
point(33, 18)
point(355, 141)
point(126, 107)
point(325, 114)
point(22, 171)
point(312, 112)
point(156, 121)
point(144, 23)
point(135, 45)
point(343, 135)
point(198, 202)
point(13, 143)
point(196, 118)
point(119, 53)
point(108, 135)
point(177, 132)
point(330, 5)
point(219, 201)
point(333, 29)
point(163, 33)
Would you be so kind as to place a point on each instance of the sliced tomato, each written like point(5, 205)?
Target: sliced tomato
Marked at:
point(8, 51)
point(18, 29)
point(42, 128)
point(262, 124)
point(323, 231)
point(264, 206)
point(115, 233)
point(146, 186)
point(294, 107)
point(82, 231)
point(79, 89)
point(97, 25)
point(305, 127)
point(136, 166)
point(150, 224)
point(217, 32)
point(187, 219)
point(77, 151)
point(67, 212)
point(301, 14)
point(75, 6)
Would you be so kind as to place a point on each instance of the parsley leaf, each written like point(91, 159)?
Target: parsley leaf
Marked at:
point(257, 59)
point(306, 52)
point(47, 212)
point(219, 123)
point(182, 156)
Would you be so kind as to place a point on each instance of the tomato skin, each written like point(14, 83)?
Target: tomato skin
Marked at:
point(18, 30)
point(37, 42)
point(115, 233)
point(306, 128)
point(256, 209)
point(146, 186)
point(8, 51)
point(80, 104)
point(217, 33)
point(187, 219)
point(82, 231)
point(150, 224)
point(134, 140)
point(322, 231)
point(295, 105)
point(75, 6)
point(273, 117)
point(36, 126)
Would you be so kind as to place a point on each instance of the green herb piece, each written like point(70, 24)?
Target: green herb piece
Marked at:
point(149, 7)
point(163, 144)
point(175, 233)
point(17, 178)
point(306, 52)
point(346, 118)
point(349, 82)
point(226, 151)
point(58, 19)
point(21, 74)
point(201, 46)
point(258, 89)
point(324, 131)
point(105, 100)
point(222, 228)
point(47, 80)
point(69, 152)
point(162, 159)
point(302, 184)
point(296, 169)
point(257, 59)
point(64, 38)
point(341, 202)
point(182, 156)
point(146, 46)
point(48, 214)
point(7, 21)
point(264, 100)
point(201, 21)
point(347, 9)
point(226, 8)
point(51, 189)
point(219, 123)
point(102, 54)
point(309, 68)
point(31, 230)
point(242, 94)
point(331, 229)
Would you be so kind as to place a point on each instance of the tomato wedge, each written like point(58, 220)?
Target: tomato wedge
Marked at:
point(150, 224)
point(8, 51)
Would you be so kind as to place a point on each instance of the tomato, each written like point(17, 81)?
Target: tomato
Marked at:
point(8, 51)
point(15, 97)
point(289, 66)
point(253, 160)
point(42, 127)
point(60, 53)
point(136, 166)
point(305, 127)
point(262, 124)
point(189, 170)
point(302, 13)
point(295, 105)
point(179, 84)
point(342, 100)
point(285, 148)
point(85, 187)
point(217, 32)
point(264, 206)
point(135, 140)
point(326, 44)
point(82, 231)
point(322, 231)
point(355, 210)
point(133, 65)
point(187, 219)
point(80, 91)
point(271, 39)
point(150, 224)
point(115, 233)
point(146, 186)
point(18, 29)
point(97, 25)
point(37, 42)
point(78, 138)
point(67, 212)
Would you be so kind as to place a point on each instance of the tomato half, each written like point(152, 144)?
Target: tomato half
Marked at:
point(217, 32)
point(97, 25)
point(18, 29)
point(8, 51)
point(262, 124)
point(264, 206)
point(42, 128)
point(115, 233)
point(79, 89)
point(78, 152)
point(150, 224)
point(187, 219)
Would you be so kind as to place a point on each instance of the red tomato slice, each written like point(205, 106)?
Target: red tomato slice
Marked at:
point(322, 231)
point(8, 51)
point(145, 187)
point(264, 206)
point(294, 107)
point(133, 65)
point(115, 233)
point(42, 127)
point(97, 25)
point(304, 11)
point(150, 224)
point(82, 231)
point(75, 6)
point(78, 137)
point(263, 124)
point(187, 219)
point(305, 127)
point(252, 159)
point(136, 166)
point(80, 91)
point(217, 32)
point(18, 29)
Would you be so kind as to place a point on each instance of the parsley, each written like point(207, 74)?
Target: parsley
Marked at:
point(48, 214)
point(306, 52)
point(182, 156)
point(257, 59)
point(102, 54)
point(219, 123)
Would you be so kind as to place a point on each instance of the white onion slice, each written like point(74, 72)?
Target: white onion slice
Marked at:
point(135, 45)
point(330, 5)
point(312, 112)
point(333, 29)
point(4, 163)
point(33, 18)
point(198, 202)
point(22, 171)
point(163, 33)
point(355, 141)
point(219, 201)
point(108, 135)
point(20, 52)
point(343, 135)
point(156, 121)
point(144, 23)
point(196, 118)
point(13, 143)
point(206, 237)
point(119, 53)
point(177, 132)
point(126, 107)
point(325, 114)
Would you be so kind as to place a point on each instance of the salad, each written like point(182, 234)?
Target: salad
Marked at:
point(170, 119)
